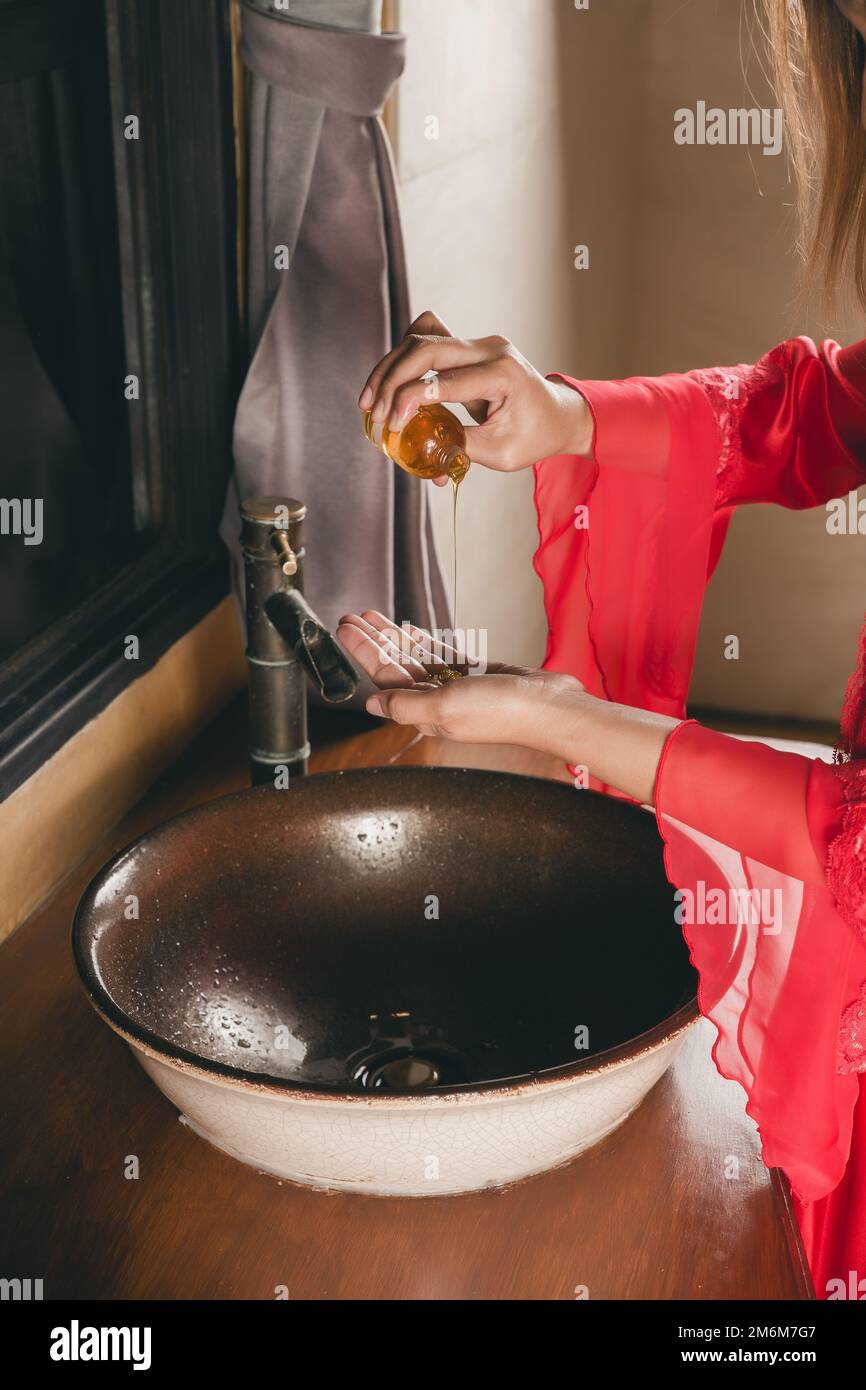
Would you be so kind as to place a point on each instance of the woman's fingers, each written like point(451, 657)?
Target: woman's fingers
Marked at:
point(383, 630)
point(371, 647)
point(431, 323)
point(415, 641)
point(480, 383)
point(423, 646)
point(380, 631)
point(377, 643)
point(377, 657)
point(411, 647)
point(426, 324)
point(368, 399)
point(420, 356)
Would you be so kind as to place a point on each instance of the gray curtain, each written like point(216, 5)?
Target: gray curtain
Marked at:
point(321, 183)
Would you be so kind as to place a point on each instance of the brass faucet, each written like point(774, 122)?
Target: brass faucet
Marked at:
point(286, 642)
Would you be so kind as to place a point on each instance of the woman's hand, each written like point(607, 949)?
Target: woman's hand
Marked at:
point(522, 417)
point(502, 705)
point(543, 710)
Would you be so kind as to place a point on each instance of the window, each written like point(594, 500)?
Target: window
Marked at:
point(118, 346)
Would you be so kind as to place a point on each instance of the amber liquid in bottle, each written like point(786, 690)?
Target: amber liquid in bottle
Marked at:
point(431, 445)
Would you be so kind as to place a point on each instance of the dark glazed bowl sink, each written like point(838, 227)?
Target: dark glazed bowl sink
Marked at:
point(312, 972)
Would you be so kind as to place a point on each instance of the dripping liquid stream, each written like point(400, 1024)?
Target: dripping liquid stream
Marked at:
point(454, 486)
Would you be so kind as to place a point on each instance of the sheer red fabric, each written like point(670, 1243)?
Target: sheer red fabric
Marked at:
point(777, 926)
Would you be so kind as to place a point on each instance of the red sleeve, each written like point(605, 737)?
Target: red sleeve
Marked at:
point(626, 543)
point(793, 426)
point(748, 831)
point(778, 832)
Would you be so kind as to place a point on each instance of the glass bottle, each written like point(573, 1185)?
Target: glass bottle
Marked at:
point(432, 444)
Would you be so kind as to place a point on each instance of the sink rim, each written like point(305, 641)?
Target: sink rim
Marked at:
point(142, 1039)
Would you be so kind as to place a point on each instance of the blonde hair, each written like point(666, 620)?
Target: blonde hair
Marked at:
point(818, 60)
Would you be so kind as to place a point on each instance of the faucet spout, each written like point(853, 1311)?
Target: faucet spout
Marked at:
point(315, 648)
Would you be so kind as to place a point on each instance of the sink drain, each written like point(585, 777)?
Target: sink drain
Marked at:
point(403, 1057)
point(407, 1073)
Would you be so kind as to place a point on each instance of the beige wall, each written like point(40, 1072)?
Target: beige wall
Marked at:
point(556, 127)
point(490, 219)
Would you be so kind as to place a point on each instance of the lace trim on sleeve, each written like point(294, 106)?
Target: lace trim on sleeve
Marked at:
point(846, 877)
point(729, 390)
point(851, 1052)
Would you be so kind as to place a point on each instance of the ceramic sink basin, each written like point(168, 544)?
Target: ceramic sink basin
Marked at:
point(396, 980)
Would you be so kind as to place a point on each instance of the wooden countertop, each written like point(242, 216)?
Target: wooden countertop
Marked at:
point(651, 1212)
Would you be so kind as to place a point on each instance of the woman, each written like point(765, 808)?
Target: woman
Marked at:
point(634, 493)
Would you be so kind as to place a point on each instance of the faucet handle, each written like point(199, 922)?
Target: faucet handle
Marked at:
point(288, 558)
point(274, 524)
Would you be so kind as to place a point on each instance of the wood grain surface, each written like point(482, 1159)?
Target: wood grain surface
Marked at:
point(651, 1212)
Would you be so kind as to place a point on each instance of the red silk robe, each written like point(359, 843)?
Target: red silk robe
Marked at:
point(626, 546)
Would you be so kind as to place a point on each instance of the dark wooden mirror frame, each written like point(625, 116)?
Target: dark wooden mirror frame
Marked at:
point(170, 65)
